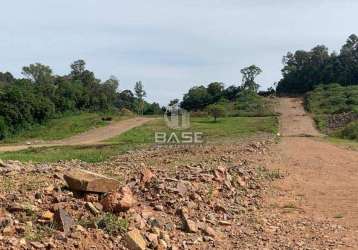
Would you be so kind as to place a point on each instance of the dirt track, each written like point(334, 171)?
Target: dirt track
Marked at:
point(322, 180)
point(94, 136)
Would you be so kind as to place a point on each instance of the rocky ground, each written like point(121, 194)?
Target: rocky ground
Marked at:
point(193, 197)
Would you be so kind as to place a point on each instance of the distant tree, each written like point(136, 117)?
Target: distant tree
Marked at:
point(304, 70)
point(216, 110)
point(140, 94)
point(248, 77)
point(231, 92)
point(6, 78)
point(197, 98)
point(215, 90)
point(173, 102)
point(78, 67)
point(125, 99)
point(38, 73)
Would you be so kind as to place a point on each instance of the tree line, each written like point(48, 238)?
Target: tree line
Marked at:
point(304, 70)
point(40, 95)
point(199, 97)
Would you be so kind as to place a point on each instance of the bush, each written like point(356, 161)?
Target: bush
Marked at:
point(250, 103)
point(327, 101)
point(216, 110)
point(350, 131)
point(3, 128)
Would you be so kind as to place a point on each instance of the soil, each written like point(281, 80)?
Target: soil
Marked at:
point(92, 137)
point(322, 178)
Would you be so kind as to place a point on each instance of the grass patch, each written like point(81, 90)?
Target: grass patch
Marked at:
point(225, 129)
point(329, 100)
point(61, 128)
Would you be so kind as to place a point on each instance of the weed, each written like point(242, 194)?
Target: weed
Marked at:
point(112, 224)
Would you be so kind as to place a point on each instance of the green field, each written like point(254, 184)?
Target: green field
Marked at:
point(61, 128)
point(327, 100)
point(224, 130)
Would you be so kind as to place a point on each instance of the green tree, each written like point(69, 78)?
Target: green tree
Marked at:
point(197, 98)
point(38, 73)
point(216, 110)
point(248, 77)
point(78, 67)
point(215, 90)
point(140, 94)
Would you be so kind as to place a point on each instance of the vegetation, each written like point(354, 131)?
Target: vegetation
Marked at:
point(328, 100)
point(248, 77)
point(41, 96)
point(303, 70)
point(63, 127)
point(216, 110)
point(226, 129)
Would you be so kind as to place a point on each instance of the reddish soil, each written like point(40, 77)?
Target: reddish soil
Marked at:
point(322, 179)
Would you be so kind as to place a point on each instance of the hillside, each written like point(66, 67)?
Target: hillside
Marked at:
point(335, 110)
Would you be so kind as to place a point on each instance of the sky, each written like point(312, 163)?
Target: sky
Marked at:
point(169, 45)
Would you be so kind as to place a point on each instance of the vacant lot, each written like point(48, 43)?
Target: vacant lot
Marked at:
point(225, 130)
point(61, 128)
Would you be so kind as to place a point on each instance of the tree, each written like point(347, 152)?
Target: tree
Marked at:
point(215, 90)
point(173, 102)
point(78, 67)
point(140, 94)
point(6, 78)
point(38, 73)
point(248, 77)
point(196, 99)
point(304, 70)
point(216, 110)
point(125, 99)
point(231, 92)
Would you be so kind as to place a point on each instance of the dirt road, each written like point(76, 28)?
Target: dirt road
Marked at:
point(94, 136)
point(322, 179)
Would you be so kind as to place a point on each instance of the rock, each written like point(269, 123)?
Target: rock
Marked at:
point(5, 218)
point(146, 176)
point(134, 240)
point(189, 225)
point(39, 195)
point(83, 180)
point(91, 197)
point(37, 245)
point(47, 215)
point(240, 181)
point(153, 239)
point(16, 207)
point(127, 200)
point(209, 231)
point(162, 245)
point(8, 231)
point(92, 208)
point(64, 220)
point(119, 201)
point(159, 208)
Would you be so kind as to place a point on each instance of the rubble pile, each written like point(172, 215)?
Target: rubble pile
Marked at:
point(188, 197)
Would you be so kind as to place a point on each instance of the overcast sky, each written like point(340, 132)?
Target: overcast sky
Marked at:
point(169, 45)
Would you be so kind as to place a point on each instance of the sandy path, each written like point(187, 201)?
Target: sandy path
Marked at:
point(322, 179)
point(94, 136)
